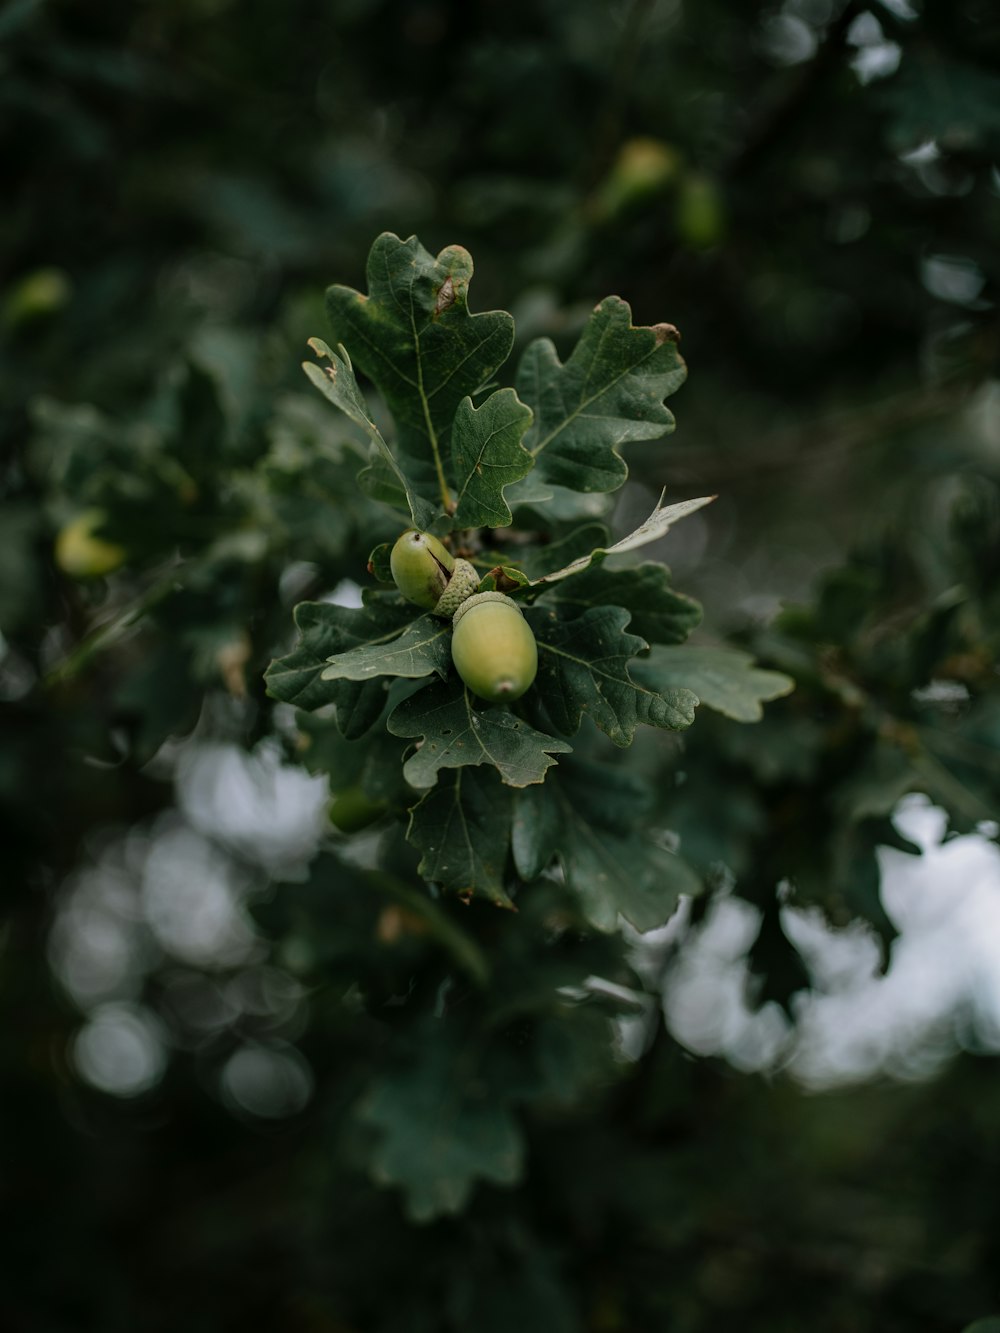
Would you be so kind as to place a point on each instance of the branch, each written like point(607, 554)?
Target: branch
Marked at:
point(773, 120)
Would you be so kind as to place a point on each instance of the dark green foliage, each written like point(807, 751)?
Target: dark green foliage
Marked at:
point(382, 1099)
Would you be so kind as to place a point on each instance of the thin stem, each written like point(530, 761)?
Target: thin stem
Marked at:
point(104, 636)
point(446, 499)
point(776, 118)
point(611, 114)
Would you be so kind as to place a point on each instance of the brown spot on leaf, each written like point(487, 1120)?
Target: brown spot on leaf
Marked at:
point(445, 296)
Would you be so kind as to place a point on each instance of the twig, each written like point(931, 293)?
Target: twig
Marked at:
point(610, 116)
point(773, 120)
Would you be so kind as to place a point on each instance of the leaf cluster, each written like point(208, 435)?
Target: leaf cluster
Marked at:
point(477, 465)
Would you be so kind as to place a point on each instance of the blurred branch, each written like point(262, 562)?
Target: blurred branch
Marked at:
point(611, 113)
point(774, 118)
point(839, 433)
point(109, 633)
point(462, 947)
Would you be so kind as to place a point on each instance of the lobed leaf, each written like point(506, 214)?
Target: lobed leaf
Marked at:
point(462, 827)
point(414, 337)
point(440, 1129)
point(487, 455)
point(384, 478)
point(588, 820)
point(583, 668)
point(457, 735)
point(659, 614)
point(610, 391)
point(723, 678)
point(299, 679)
point(423, 648)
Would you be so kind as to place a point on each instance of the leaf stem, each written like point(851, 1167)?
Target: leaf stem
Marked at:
point(462, 947)
point(446, 500)
point(105, 635)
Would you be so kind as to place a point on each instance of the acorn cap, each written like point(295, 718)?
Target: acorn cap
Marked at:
point(480, 599)
point(461, 586)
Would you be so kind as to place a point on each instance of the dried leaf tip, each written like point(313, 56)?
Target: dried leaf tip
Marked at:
point(666, 333)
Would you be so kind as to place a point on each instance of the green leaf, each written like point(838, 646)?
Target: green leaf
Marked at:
point(298, 678)
point(610, 391)
point(378, 563)
point(536, 561)
point(462, 827)
point(583, 668)
point(659, 613)
point(487, 455)
point(589, 819)
point(531, 490)
point(423, 648)
point(359, 706)
point(503, 578)
point(375, 769)
point(457, 735)
point(441, 1129)
point(723, 678)
point(541, 504)
point(659, 523)
point(385, 480)
point(415, 339)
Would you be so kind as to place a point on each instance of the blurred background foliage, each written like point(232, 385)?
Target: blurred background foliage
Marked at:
point(208, 1082)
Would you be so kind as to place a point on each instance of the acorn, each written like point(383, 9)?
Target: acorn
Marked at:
point(81, 554)
point(353, 809)
point(421, 567)
point(493, 648)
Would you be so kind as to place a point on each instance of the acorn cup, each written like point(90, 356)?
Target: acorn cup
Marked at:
point(461, 586)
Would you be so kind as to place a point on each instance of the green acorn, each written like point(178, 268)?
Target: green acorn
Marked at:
point(352, 810)
point(493, 648)
point(421, 567)
point(82, 555)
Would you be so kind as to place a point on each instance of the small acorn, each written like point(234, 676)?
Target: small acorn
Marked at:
point(493, 648)
point(81, 554)
point(421, 567)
